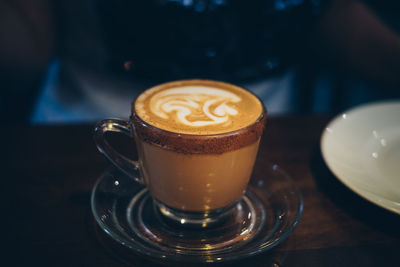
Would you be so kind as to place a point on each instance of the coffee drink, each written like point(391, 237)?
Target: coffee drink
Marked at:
point(198, 107)
point(197, 142)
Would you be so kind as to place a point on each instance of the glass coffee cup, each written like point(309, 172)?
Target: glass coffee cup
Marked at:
point(197, 141)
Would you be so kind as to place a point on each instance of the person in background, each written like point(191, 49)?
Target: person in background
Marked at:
point(74, 61)
point(27, 45)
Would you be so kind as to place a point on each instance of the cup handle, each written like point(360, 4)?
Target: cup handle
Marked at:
point(128, 166)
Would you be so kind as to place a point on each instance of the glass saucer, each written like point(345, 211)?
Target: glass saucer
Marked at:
point(264, 217)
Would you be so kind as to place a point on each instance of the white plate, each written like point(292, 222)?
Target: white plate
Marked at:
point(362, 148)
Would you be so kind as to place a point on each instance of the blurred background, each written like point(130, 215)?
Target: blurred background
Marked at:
point(84, 60)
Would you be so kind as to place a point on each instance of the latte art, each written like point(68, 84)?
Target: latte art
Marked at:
point(195, 106)
point(198, 107)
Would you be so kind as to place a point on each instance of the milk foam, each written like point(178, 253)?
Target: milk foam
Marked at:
point(211, 105)
point(198, 107)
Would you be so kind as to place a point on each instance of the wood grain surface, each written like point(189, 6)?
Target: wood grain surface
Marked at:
point(48, 173)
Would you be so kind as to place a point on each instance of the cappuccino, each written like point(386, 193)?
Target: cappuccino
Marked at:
point(197, 142)
point(198, 107)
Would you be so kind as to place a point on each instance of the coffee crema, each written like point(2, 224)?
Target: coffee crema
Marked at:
point(198, 107)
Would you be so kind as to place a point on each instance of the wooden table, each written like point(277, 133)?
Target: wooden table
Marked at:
point(49, 172)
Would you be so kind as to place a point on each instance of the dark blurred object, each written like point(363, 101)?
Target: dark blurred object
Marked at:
point(354, 41)
point(244, 42)
point(26, 46)
point(388, 11)
point(219, 39)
